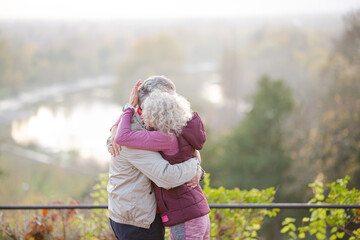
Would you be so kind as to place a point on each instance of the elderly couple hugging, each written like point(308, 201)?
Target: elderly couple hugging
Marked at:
point(155, 166)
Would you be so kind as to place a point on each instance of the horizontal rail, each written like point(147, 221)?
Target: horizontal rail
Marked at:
point(285, 205)
point(231, 206)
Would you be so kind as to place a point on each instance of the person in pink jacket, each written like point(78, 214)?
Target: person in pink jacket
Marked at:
point(178, 133)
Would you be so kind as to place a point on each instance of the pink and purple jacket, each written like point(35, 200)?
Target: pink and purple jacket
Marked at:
point(178, 204)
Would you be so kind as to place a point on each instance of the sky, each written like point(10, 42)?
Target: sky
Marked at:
point(167, 9)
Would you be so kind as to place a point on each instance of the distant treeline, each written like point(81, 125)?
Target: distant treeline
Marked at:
point(40, 53)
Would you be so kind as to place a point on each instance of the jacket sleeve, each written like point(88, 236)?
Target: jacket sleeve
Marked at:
point(147, 140)
point(160, 171)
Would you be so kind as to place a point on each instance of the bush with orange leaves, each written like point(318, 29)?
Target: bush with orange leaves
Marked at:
point(60, 224)
point(43, 227)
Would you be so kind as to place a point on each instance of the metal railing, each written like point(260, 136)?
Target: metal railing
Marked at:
point(231, 206)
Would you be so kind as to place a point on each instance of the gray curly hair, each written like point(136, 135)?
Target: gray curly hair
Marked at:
point(167, 112)
point(161, 83)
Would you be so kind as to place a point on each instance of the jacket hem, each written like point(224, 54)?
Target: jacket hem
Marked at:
point(198, 210)
point(141, 224)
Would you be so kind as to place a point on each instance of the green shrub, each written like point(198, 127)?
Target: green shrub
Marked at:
point(237, 223)
point(94, 224)
point(328, 223)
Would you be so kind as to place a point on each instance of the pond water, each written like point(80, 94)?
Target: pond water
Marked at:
point(82, 127)
point(68, 117)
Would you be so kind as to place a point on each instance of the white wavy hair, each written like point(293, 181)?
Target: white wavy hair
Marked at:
point(167, 112)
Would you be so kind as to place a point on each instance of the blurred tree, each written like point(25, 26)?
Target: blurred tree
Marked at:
point(154, 55)
point(337, 149)
point(330, 149)
point(253, 155)
point(349, 44)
